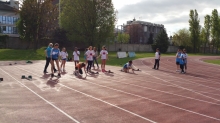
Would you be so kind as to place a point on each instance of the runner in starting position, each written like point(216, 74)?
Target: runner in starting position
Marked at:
point(128, 66)
point(78, 69)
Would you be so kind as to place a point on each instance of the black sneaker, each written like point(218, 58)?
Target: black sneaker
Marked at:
point(58, 75)
point(45, 72)
point(52, 75)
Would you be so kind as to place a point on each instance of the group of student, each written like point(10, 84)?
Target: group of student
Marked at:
point(53, 54)
point(181, 60)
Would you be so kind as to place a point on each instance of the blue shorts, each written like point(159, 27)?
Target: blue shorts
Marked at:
point(125, 67)
point(54, 59)
point(64, 59)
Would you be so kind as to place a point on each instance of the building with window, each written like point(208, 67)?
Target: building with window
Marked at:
point(8, 18)
point(141, 31)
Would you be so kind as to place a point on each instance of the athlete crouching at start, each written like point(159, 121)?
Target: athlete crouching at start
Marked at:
point(78, 69)
point(128, 66)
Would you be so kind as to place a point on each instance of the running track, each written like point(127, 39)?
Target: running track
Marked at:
point(149, 96)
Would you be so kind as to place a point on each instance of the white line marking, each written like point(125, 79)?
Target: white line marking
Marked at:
point(178, 85)
point(42, 98)
point(99, 100)
point(132, 95)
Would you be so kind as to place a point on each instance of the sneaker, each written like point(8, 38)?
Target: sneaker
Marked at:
point(45, 72)
point(52, 75)
point(58, 75)
point(55, 71)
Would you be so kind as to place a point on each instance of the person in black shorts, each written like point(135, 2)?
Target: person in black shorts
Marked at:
point(78, 69)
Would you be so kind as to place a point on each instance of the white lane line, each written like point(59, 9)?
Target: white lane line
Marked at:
point(191, 90)
point(42, 98)
point(166, 92)
point(132, 95)
point(97, 99)
point(206, 80)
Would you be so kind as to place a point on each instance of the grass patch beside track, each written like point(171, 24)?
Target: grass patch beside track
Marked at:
point(14, 54)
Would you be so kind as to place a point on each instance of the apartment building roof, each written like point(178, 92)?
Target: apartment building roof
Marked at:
point(5, 7)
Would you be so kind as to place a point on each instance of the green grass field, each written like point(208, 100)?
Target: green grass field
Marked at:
point(12, 54)
point(213, 61)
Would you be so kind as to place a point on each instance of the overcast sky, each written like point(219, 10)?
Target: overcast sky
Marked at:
point(173, 14)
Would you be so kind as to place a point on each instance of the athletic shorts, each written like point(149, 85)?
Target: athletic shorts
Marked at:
point(177, 63)
point(64, 59)
point(80, 70)
point(54, 59)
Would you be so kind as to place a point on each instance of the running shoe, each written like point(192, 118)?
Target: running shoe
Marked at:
point(52, 75)
point(58, 75)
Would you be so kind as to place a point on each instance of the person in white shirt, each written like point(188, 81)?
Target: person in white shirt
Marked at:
point(89, 56)
point(76, 54)
point(104, 57)
point(157, 59)
point(64, 56)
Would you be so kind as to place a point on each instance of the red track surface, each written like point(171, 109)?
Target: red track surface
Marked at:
point(162, 96)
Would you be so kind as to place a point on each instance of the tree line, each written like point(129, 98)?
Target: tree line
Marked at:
point(90, 22)
point(200, 38)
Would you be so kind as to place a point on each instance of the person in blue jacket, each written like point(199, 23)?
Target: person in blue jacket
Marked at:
point(55, 56)
point(182, 62)
point(48, 57)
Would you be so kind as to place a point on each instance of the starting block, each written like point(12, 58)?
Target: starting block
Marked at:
point(28, 78)
point(1, 79)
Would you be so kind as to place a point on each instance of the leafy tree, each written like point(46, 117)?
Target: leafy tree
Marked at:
point(38, 18)
point(123, 38)
point(207, 27)
point(182, 38)
point(90, 21)
point(161, 42)
point(194, 29)
point(203, 38)
point(215, 30)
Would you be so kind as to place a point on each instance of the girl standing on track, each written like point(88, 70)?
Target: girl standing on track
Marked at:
point(55, 54)
point(64, 56)
point(181, 62)
point(185, 59)
point(104, 57)
point(89, 55)
point(76, 54)
point(48, 57)
point(95, 58)
point(178, 54)
point(157, 59)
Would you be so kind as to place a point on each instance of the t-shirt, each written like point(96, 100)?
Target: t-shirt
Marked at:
point(89, 55)
point(104, 54)
point(178, 54)
point(185, 57)
point(48, 51)
point(96, 53)
point(55, 53)
point(181, 59)
point(63, 55)
point(157, 55)
point(76, 57)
